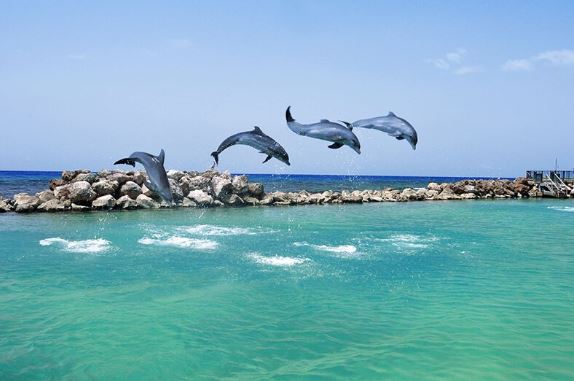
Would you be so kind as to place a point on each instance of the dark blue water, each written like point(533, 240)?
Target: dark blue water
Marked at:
point(13, 182)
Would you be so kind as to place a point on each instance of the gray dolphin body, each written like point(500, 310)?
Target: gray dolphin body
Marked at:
point(153, 165)
point(396, 127)
point(256, 139)
point(325, 130)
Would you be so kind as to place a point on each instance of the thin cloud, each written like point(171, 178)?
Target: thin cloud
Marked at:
point(553, 57)
point(453, 62)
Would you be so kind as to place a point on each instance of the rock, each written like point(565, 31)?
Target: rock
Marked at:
point(200, 197)
point(62, 192)
point(104, 202)
point(239, 184)
point(125, 202)
point(81, 193)
point(434, 186)
point(199, 183)
point(105, 187)
point(267, 200)
point(139, 178)
point(56, 183)
point(431, 194)
point(80, 208)
point(221, 186)
point(45, 196)
point(53, 205)
point(218, 204)
point(146, 202)
point(468, 196)
point(251, 200)
point(176, 191)
point(469, 189)
point(120, 177)
point(255, 190)
point(234, 200)
point(175, 175)
point(89, 177)
point(187, 203)
point(408, 194)
point(5, 206)
point(24, 203)
point(130, 189)
point(68, 176)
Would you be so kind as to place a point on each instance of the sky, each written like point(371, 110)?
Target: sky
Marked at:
point(488, 85)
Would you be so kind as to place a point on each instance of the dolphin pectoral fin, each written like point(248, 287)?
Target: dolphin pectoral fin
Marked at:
point(127, 161)
point(399, 137)
point(269, 157)
point(335, 145)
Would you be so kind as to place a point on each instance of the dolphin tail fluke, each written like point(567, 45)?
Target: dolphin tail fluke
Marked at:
point(288, 115)
point(347, 124)
point(127, 161)
point(215, 155)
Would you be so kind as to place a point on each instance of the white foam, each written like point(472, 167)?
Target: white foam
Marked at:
point(569, 209)
point(345, 249)
point(214, 230)
point(86, 246)
point(277, 260)
point(181, 242)
point(409, 241)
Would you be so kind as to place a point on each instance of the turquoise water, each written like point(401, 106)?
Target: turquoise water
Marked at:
point(480, 290)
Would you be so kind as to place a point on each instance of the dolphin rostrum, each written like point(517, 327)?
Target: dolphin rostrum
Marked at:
point(325, 130)
point(256, 139)
point(153, 165)
point(393, 125)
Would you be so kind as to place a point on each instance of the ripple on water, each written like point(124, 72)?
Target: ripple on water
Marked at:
point(569, 209)
point(89, 246)
point(276, 260)
point(215, 230)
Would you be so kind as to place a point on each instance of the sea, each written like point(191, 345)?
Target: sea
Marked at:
point(445, 290)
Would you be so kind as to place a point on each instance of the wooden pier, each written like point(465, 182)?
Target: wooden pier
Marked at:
point(553, 183)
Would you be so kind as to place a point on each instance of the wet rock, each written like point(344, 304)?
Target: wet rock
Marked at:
point(200, 197)
point(126, 203)
point(81, 193)
point(104, 202)
point(131, 189)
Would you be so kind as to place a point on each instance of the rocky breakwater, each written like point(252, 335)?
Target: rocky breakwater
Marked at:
point(83, 190)
point(107, 190)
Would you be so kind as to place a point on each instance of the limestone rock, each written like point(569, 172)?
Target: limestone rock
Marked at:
point(176, 191)
point(5, 206)
point(62, 192)
point(104, 202)
point(239, 184)
point(125, 202)
point(221, 186)
point(234, 200)
point(146, 202)
point(251, 200)
point(200, 197)
point(434, 186)
point(80, 208)
point(81, 193)
point(105, 187)
point(120, 177)
point(255, 189)
point(45, 196)
point(24, 203)
point(131, 189)
point(53, 205)
point(89, 177)
point(175, 175)
point(188, 203)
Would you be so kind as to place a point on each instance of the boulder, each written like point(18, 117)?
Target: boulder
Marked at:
point(146, 202)
point(255, 190)
point(199, 183)
point(24, 203)
point(81, 193)
point(221, 186)
point(434, 186)
point(239, 184)
point(80, 208)
point(130, 189)
point(89, 177)
point(45, 196)
point(176, 190)
point(125, 202)
point(468, 196)
point(188, 203)
point(251, 200)
point(68, 176)
point(104, 202)
point(105, 187)
point(56, 183)
point(62, 192)
point(139, 178)
point(175, 175)
point(200, 197)
point(120, 177)
point(5, 206)
point(53, 205)
point(234, 200)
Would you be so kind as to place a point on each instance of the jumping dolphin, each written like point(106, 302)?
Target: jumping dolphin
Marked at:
point(156, 172)
point(393, 125)
point(256, 139)
point(325, 130)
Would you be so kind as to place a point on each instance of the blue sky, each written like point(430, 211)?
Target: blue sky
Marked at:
point(488, 85)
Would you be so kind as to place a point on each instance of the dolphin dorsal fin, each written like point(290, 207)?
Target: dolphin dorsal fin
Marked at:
point(391, 114)
point(257, 130)
point(324, 121)
point(161, 156)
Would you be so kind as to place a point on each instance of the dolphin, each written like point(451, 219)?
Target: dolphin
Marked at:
point(325, 130)
point(256, 139)
point(153, 165)
point(393, 125)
